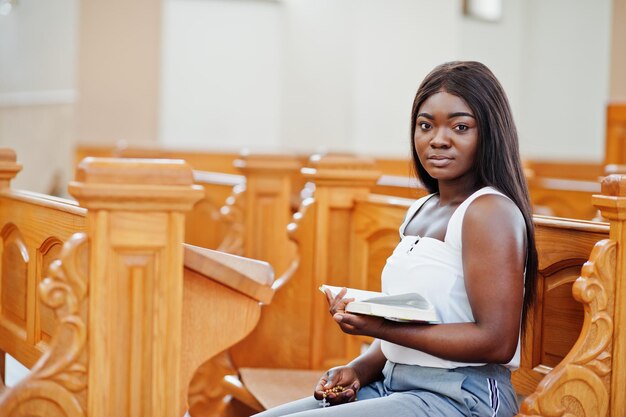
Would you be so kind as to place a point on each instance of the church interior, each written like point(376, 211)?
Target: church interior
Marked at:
point(178, 177)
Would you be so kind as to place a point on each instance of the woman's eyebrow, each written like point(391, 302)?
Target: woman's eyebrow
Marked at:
point(450, 116)
point(460, 114)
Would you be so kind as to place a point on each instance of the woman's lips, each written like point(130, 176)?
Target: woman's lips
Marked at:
point(439, 160)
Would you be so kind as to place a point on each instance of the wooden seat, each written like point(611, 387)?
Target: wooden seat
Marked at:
point(116, 325)
point(263, 388)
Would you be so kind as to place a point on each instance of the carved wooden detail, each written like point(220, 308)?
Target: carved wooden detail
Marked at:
point(56, 386)
point(233, 215)
point(580, 384)
point(295, 242)
point(47, 253)
point(14, 284)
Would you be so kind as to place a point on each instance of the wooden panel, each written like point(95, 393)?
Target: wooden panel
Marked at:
point(34, 220)
point(14, 283)
point(557, 318)
point(562, 316)
point(374, 236)
point(380, 245)
point(615, 142)
point(291, 311)
point(331, 342)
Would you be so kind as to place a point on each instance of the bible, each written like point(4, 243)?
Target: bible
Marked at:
point(409, 307)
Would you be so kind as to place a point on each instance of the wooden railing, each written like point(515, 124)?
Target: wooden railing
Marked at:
point(126, 326)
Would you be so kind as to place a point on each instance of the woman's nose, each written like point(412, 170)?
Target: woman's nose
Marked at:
point(440, 139)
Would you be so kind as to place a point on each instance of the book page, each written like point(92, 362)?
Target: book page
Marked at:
point(358, 295)
point(414, 300)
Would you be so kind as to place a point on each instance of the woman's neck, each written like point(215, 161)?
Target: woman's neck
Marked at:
point(455, 194)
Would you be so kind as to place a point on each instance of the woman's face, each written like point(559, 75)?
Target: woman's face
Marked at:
point(446, 137)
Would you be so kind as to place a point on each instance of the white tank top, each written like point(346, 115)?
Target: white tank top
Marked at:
point(434, 269)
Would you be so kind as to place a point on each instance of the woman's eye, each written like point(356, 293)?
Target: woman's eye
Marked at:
point(462, 128)
point(424, 125)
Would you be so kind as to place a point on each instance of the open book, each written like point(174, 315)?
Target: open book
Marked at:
point(401, 307)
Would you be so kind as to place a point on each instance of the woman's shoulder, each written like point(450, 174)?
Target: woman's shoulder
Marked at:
point(493, 210)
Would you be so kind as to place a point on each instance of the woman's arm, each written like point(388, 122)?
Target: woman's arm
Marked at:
point(494, 254)
point(369, 365)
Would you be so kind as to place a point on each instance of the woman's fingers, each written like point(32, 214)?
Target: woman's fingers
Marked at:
point(338, 303)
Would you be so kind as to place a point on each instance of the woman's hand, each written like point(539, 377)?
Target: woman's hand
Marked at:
point(337, 304)
point(338, 385)
point(355, 324)
point(359, 324)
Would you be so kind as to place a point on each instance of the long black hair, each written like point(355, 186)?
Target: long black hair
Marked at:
point(498, 163)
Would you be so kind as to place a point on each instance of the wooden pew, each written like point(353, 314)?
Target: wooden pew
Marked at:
point(565, 198)
point(123, 341)
point(589, 380)
point(561, 330)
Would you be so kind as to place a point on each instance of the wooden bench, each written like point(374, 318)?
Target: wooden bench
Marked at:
point(345, 234)
point(566, 198)
point(118, 326)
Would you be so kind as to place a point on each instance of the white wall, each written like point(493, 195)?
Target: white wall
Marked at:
point(313, 74)
point(346, 71)
point(398, 44)
point(319, 43)
point(499, 45)
point(565, 64)
point(38, 46)
point(222, 66)
point(37, 90)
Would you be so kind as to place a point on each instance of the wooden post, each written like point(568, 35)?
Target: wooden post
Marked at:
point(612, 205)
point(8, 167)
point(268, 211)
point(135, 222)
point(339, 181)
